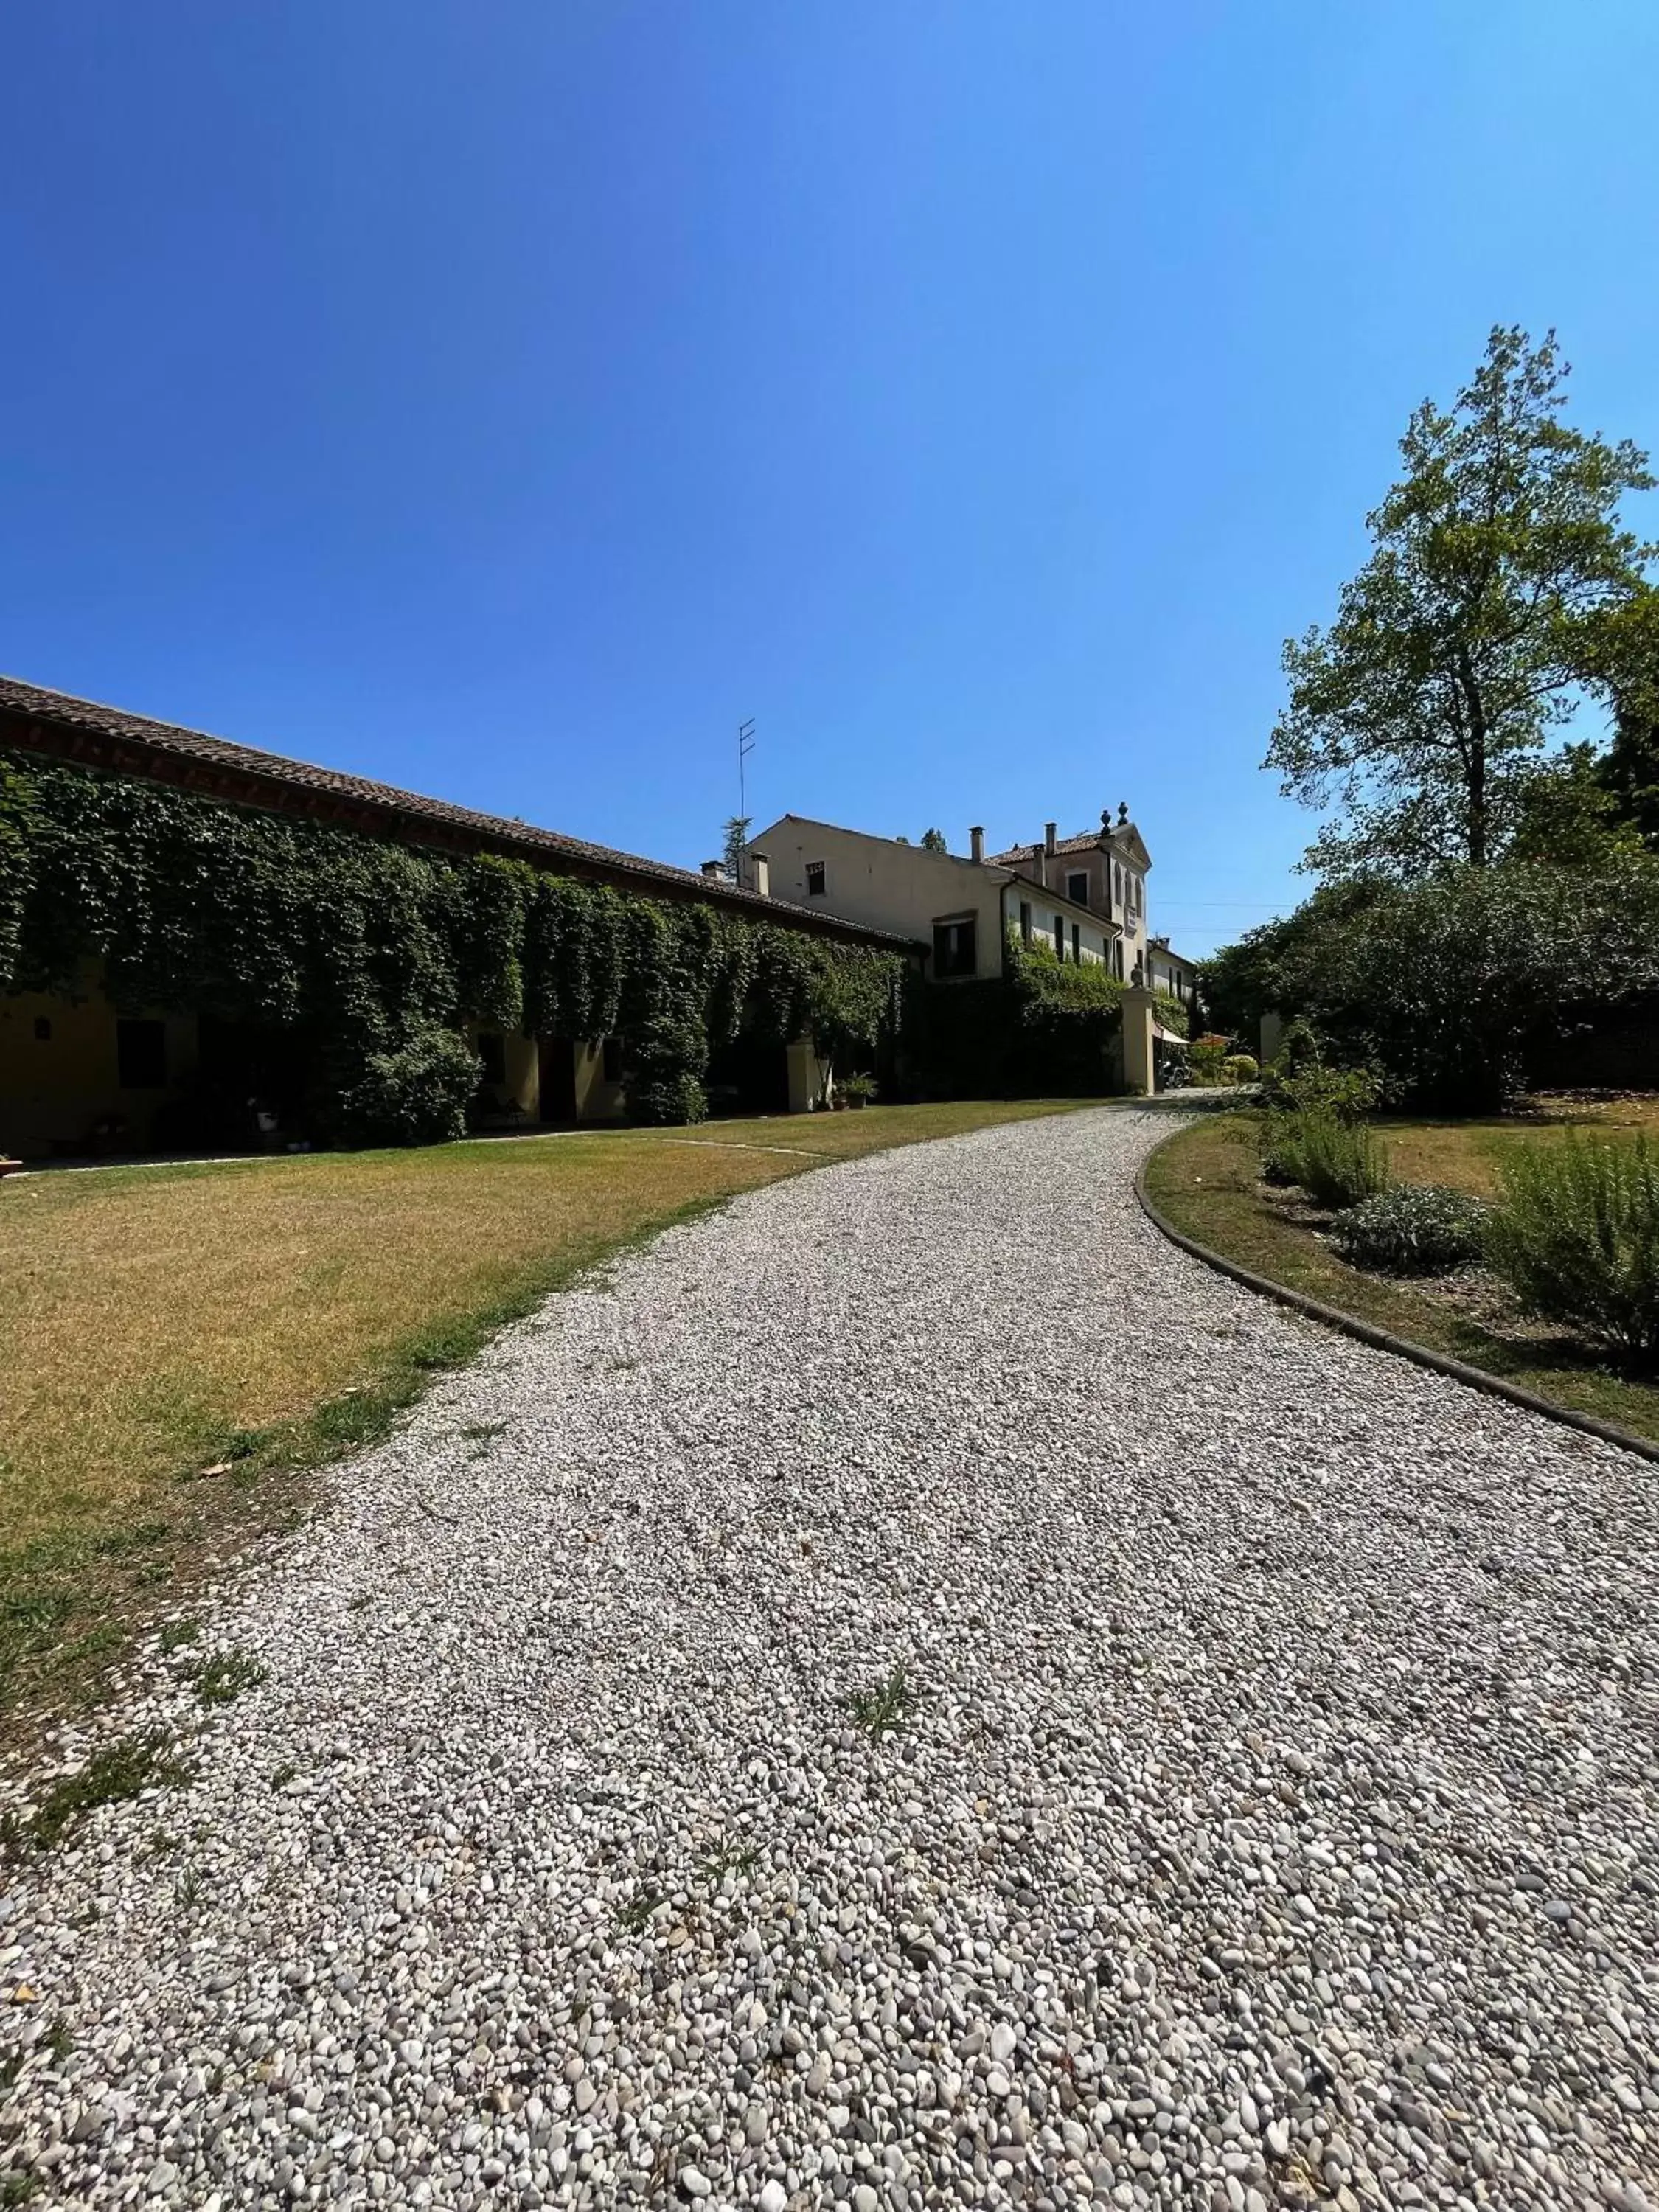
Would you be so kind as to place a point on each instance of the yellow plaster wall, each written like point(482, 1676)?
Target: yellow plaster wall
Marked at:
point(52, 1089)
point(596, 1099)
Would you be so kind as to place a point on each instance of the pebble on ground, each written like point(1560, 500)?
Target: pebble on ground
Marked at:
point(908, 1691)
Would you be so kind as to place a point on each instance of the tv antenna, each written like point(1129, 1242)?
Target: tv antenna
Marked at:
point(746, 746)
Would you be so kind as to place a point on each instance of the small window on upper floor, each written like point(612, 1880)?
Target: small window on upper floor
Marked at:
point(1059, 936)
point(1077, 887)
point(815, 879)
point(1025, 920)
point(1077, 945)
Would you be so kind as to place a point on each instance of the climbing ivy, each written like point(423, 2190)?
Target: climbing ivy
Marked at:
point(361, 945)
point(14, 821)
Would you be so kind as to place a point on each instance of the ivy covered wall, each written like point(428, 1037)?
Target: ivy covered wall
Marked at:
point(1045, 1028)
point(371, 954)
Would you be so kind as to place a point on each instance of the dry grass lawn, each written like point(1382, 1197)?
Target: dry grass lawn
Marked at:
point(1204, 1180)
point(267, 1314)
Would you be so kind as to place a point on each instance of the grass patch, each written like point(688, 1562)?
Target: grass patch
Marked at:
point(634, 1916)
point(177, 1342)
point(119, 1771)
point(731, 1858)
point(1203, 1181)
point(885, 1707)
point(221, 1679)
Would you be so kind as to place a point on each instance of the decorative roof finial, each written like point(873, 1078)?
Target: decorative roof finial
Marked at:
point(1122, 812)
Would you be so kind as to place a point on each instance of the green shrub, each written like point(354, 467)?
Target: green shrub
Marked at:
point(1337, 1163)
point(1240, 1068)
point(1343, 1094)
point(1577, 1240)
point(1282, 1152)
point(1298, 1080)
point(416, 1094)
point(663, 1070)
point(1414, 1228)
point(1207, 1057)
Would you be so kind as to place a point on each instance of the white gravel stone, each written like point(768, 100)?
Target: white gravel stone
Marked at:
point(1266, 1697)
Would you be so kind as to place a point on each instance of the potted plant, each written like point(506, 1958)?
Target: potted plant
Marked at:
point(860, 1090)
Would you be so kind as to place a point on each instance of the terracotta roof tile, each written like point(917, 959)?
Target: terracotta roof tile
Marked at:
point(1087, 842)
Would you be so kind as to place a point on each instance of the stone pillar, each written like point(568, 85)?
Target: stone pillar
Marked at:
point(1140, 1076)
point(803, 1075)
point(524, 1074)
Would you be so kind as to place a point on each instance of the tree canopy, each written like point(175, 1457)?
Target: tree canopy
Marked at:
point(734, 837)
point(1501, 585)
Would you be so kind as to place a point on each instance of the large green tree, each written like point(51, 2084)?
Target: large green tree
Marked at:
point(1619, 658)
point(1422, 715)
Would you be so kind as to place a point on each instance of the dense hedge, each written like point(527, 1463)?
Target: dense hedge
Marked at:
point(15, 814)
point(1044, 1027)
point(360, 946)
point(1453, 988)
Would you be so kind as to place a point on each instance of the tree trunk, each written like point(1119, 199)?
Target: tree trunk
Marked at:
point(1474, 762)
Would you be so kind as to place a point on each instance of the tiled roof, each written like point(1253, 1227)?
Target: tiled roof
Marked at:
point(383, 804)
point(1087, 842)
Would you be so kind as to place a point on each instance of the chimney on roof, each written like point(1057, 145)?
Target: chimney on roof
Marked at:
point(976, 843)
point(763, 884)
point(1048, 828)
point(1039, 871)
point(713, 869)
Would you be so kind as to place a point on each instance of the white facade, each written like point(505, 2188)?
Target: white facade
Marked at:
point(1104, 871)
point(1169, 971)
point(962, 910)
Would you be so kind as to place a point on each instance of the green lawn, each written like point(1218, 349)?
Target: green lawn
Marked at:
point(262, 1316)
point(1204, 1180)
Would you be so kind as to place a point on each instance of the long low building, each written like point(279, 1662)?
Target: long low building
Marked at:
point(79, 1073)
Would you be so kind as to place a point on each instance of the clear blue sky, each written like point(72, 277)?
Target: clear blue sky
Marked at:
point(505, 399)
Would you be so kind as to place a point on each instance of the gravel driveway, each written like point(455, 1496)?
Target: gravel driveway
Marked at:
point(1270, 1817)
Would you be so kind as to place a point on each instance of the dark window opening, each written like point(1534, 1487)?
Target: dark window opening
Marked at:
point(1059, 936)
point(1077, 945)
point(815, 879)
point(1077, 889)
point(141, 1056)
point(492, 1055)
point(1025, 920)
point(611, 1059)
point(955, 950)
point(43, 1029)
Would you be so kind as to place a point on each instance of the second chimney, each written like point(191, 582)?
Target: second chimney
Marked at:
point(1048, 828)
point(976, 844)
point(714, 870)
point(763, 884)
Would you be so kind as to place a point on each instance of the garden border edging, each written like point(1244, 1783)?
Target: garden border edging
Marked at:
point(1382, 1340)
